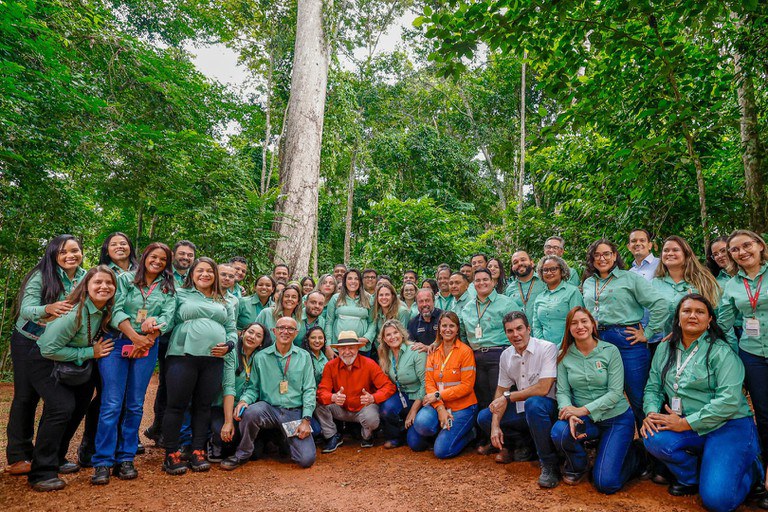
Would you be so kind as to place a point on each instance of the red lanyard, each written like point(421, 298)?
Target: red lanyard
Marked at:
point(753, 298)
point(151, 289)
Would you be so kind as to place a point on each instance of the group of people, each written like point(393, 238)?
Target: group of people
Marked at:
point(539, 366)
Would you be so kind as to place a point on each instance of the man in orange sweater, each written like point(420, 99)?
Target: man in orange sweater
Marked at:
point(351, 386)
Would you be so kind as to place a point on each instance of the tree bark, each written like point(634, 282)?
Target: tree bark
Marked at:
point(752, 150)
point(521, 172)
point(350, 201)
point(268, 122)
point(300, 159)
point(139, 225)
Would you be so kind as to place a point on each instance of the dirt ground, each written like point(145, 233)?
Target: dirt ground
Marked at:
point(349, 479)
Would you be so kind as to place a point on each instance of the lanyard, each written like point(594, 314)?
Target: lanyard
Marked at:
point(527, 295)
point(477, 308)
point(88, 321)
point(287, 363)
point(753, 298)
point(600, 291)
point(151, 289)
point(445, 362)
point(247, 369)
point(680, 367)
point(394, 368)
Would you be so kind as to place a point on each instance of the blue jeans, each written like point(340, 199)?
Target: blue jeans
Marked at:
point(756, 370)
point(728, 459)
point(393, 416)
point(536, 421)
point(448, 443)
point(124, 384)
point(617, 460)
point(637, 364)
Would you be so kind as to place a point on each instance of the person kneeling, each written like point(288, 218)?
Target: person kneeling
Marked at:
point(343, 392)
point(706, 435)
point(530, 364)
point(283, 382)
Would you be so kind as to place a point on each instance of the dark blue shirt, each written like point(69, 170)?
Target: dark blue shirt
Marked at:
point(422, 331)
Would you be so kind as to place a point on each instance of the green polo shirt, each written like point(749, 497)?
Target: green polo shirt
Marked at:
point(722, 278)
point(318, 365)
point(622, 299)
point(179, 277)
point(32, 309)
point(200, 324)
point(673, 293)
point(233, 384)
point(458, 307)
point(444, 303)
point(595, 381)
point(710, 393)
point(574, 278)
point(129, 300)
point(551, 309)
point(489, 315)
point(63, 340)
point(304, 326)
point(735, 301)
point(524, 294)
point(238, 290)
point(248, 309)
point(410, 372)
point(267, 373)
point(350, 316)
point(118, 270)
point(403, 316)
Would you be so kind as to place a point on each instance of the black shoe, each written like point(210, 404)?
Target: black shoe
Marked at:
point(574, 478)
point(334, 442)
point(213, 453)
point(153, 434)
point(232, 462)
point(100, 475)
point(198, 461)
point(682, 490)
point(659, 479)
point(549, 477)
point(173, 465)
point(52, 484)
point(125, 470)
point(67, 468)
point(523, 454)
point(366, 443)
point(762, 503)
point(140, 450)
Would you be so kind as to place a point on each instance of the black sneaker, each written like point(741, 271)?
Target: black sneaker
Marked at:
point(549, 477)
point(100, 475)
point(52, 484)
point(334, 442)
point(67, 468)
point(173, 465)
point(523, 454)
point(140, 450)
point(213, 453)
point(153, 434)
point(186, 453)
point(232, 462)
point(125, 470)
point(366, 443)
point(198, 461)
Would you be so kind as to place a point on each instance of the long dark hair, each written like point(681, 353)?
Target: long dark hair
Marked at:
point(712, 264)
point(104, 258)
point(48, 266)
point(501, 284)
point(305, 341)
point(167, 273)
point(80, 294)
point(714, 331)
point(217, 296)
point(267, 341)
point(362, 295)
point(589, 266)
point(568, 338)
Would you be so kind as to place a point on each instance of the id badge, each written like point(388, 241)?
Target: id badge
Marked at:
point(283, 387)
point(752, 327)
point(440, 386)
point(141, 315)
point(676, 405)
point(403, 401)
point(478, 331)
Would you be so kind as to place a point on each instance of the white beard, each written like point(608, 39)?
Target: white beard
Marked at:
point(348, 360)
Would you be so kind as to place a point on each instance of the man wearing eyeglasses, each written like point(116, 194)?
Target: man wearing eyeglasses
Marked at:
point(370, 278)
point(280, 393)
point(555, 246)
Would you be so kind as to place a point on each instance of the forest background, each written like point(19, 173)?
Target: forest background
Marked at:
point(492, 125)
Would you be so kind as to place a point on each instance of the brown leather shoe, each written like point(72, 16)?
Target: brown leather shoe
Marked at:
point(486, 449)
point(21, 467)
point(504, 456)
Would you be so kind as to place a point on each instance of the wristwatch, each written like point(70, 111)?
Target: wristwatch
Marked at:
point(507, 394)
point(437, 395)
point(308, 418)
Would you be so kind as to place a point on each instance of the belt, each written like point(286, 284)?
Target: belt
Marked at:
point(615, 326)
point(488, 349)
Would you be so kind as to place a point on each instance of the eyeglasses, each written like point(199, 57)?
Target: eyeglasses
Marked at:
point(549, 270)
point(603, 255)
point(721, 252)
point(369, 277)
point(283, 328)
point(549, 247)
point(746, 247)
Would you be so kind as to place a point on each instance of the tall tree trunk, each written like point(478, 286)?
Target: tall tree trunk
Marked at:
point(268, 123)
point(350, 201)
point(139, 225)
point(752, 150)
point(278, 148)
point(152, 227)
point(521, 172)
point(300, 160)
point(315, 264)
